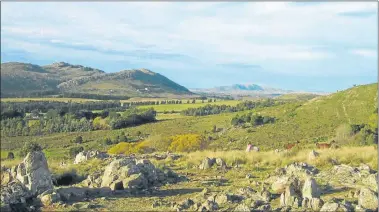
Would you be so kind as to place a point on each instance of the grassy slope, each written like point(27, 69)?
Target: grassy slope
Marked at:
point(315, 118)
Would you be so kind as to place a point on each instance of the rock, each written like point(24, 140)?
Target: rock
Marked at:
point(266, 195)
point(333, 206)
point(282, 182)
point(93, 180)
point(87, 155)
point(6, 176)
point(290, 197)
point(310, 189)
point(80, 205)
point(313, 155)
point(225, 198)
point(300, 170)
point(242, 208)
point(207, 163)
point(371, 181)
point(135, 182)
point(208, 206)
point(220, 162)
point(249, 176)
point(247, 191)
point(368, 199)
point(34, 173)
point(49, 199)
point(314, 203)
point(135, 175)
point(73, 193)
point(186, 204)
point(15, 192)
point(264, 207)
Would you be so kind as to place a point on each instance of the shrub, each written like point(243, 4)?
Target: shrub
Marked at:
point(187, 143)
point(29, 147)
point(78, 139)
point(10, 156)
point(158, 142)
point(75, 150)
point(343, 132)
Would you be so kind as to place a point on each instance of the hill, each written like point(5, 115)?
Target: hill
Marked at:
point(242, 90)
point(28, 80)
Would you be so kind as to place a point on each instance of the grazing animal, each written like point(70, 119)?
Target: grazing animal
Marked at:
point(255, 148)
point(248, 148)
point(290, 146)
point(325, 145)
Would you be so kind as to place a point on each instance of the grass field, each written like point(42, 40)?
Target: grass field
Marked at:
point(184, 105)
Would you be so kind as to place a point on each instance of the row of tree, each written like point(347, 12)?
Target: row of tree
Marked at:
point(217, 109)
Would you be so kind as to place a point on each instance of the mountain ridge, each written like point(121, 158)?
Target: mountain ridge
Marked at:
point(20, 79)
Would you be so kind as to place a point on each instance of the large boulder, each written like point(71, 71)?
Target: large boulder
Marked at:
point(135, 174)
point(87, 155)
point(310, 189)
point(34, 173)
point(368, 199)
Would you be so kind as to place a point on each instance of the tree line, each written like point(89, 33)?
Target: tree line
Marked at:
point(79, 121)
point(217, 109)
point(16, 109)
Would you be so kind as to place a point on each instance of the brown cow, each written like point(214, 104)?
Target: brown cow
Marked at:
point(290, 146)
point(325, 145)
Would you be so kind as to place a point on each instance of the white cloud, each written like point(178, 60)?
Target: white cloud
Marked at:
point(211, 32)
point(365, 53)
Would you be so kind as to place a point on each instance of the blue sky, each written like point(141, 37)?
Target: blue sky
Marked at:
point(299, 46)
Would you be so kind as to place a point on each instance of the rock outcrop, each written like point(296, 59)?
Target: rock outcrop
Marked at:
point(135, 175)
point(34, 173)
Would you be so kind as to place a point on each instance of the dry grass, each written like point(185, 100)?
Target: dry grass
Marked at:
point(346, 155)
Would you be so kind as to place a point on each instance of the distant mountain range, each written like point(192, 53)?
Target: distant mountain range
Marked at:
point(247, 90)
point(23, 79)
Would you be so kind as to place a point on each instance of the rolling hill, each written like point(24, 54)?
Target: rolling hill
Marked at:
point(27, 80)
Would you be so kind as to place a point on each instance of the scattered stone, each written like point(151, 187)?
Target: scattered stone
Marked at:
point(207, 163)
point(368, 199)
point(87, 155)
point(314, 203)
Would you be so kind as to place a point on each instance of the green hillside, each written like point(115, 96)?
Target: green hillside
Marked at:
point(300, 120)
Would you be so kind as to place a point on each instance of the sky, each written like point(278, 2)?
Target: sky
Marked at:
point(297, 46)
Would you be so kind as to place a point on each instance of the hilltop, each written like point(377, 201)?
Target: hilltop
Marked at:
point(23, 79)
